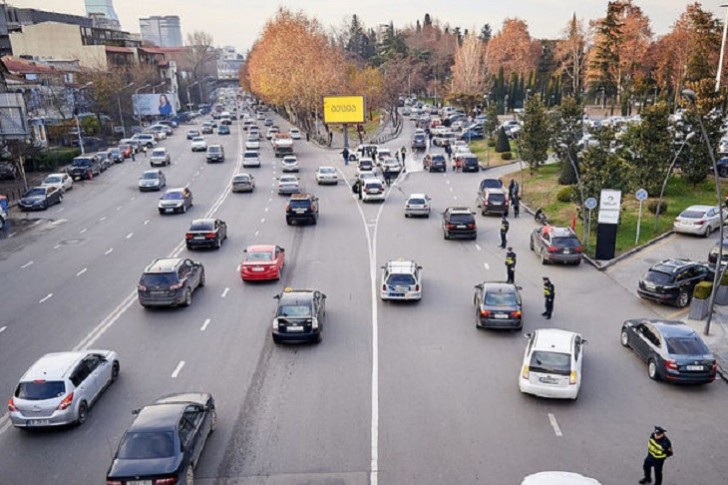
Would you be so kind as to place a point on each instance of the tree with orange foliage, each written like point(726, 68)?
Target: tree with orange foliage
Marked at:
point(469, 73)
point(570, 55)
point(512, 49)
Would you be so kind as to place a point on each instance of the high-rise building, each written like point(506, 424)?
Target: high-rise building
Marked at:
point(105, 7)
point(163, 31)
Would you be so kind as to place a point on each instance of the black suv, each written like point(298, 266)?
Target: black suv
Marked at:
point(170, 282)
point(8, 171)
point(672, 281)
point(419, 142)
point(459, 222)
point(215, 153)
point(84, 167)
point(713, 254)
point(302, 208)
point(435, 163)
point(299, 315)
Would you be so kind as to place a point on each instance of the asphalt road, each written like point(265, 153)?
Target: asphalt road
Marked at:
point(395, 393)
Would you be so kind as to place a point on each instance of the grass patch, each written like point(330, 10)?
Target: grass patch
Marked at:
point(540, 189)
point(487, 155)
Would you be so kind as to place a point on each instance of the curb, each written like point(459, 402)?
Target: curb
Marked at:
point(721, 362)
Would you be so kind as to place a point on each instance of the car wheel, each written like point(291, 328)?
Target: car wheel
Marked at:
point(723, 172)
point(189, 475)
point(60, 198)
point(683, 298)
point(318, 338)
point(188, 296)
point(530, 245)
point(624, 338)
point(288, 221)
point(82, 413)
point(115, 368)
point(708, 230)
point(652, 370)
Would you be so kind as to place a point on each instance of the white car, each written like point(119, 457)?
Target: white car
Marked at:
point(373, 190)
point(552, 364)
point(698, 219)
point(327, 175)
point(289, 164)
point(558, 478)
point(251, 159)
point(295, 133)
point(198, 144)
point(391, 165)
point(401, 280)
point(159, 156)
point(61, 181)
point(417, 205)
point(288, 184)
point(252, 143)
point(270, 132)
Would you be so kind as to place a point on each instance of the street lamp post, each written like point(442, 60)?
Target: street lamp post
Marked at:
point(667, 177)
point(154, 88)
point(118, 100)
point(505, 105)
point(75, 115)
point(692, 98)
point(189, 99)
point(722, 50)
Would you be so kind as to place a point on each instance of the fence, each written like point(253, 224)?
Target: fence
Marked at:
point(391, 135)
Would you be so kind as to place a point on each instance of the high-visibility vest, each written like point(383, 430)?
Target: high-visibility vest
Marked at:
point(655, 449)
point(510, 260)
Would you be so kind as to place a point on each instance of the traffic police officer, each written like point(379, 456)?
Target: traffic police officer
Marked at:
point(548, 293)
point(659, 449)
point(503, 231)
point(511, 265)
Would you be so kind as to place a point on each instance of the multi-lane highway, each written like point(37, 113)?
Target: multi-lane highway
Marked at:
point(395, 393)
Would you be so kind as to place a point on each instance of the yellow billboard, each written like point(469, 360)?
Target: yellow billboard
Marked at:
point(343, 109)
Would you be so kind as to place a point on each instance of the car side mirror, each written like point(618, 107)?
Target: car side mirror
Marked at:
point(527, 335)
point(519, 288)
point(277, 297)
point(135, 411)
point(584, 341)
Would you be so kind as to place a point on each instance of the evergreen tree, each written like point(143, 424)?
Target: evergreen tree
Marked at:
point(502, 144)
point(491, 119)
point(428, 20)
point(486, 33)
point(567, 128)
point(534, 137)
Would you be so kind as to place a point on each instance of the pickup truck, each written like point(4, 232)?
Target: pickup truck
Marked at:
point(282, 145)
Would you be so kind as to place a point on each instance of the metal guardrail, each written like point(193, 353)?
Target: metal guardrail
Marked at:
point(391, 135)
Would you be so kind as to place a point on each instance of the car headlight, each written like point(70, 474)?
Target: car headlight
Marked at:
point(275, 324)
point(314, 323)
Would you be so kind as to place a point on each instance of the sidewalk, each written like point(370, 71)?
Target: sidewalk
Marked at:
point(717, 341)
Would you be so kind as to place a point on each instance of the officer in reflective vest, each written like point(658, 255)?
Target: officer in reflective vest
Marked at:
point(503, 231)
point(549, 293)
point(511, 265)
point(659, 449)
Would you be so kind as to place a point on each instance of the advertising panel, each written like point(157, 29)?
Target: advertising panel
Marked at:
point(154, 104)
point(343, 109)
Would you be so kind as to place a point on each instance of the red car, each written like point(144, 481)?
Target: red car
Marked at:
point(262, 262)
point(125, 150)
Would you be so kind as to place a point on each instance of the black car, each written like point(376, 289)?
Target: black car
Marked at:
point(498, 305)
point(713, 254)
point(116, 155)
point(170, 282)
point(435, 163)
point(672, 281)
point(673, 351)
point(8, 171)
point(84, 167)
point(459, 222)
point(299, 315)
point(223, 130)
point(556, 244)
point(165, 441)
point(470, 163)
point(215, 153)
point(419, 141)
point(40, 198)
point(490, 184)
point(302, 208)
point(206, 233)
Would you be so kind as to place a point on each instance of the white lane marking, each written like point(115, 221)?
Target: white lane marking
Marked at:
point(38, 222)
point(197, 173)
point(12, 234)
point(109, 251)
point(128, 236)
point(133, 198)
point(477, 246)
point(82, 230)
point(270, 199)
point(486, 266)
point(225, 292)
point(146, 222)
point(266, 209)
point(46, 298)
point(262, 220)
point(61, 209)
point(455, 197)
point(102, 219)
point(237, 269)
point(107, 322)
point(271, 191)
point(2, 329)
point(256, 233)
point(450, 189)
point(204, 325)
point(29, 263)
point(447, 182)
point(4, 423)
point(178, 369)
point(555, 425)
point(82, 272)
point(119, 207)
point(56, 246)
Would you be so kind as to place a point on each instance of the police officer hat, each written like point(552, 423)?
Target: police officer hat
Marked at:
point(660, 430)
point(545, 278)
point(510, 248)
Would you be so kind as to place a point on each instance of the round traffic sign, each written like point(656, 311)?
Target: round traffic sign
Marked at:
point(590, 203)
point(641, 194)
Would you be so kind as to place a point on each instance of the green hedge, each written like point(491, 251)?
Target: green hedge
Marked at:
point(565, 194)
point(51, 160)
point(506, 156)
point(702, 290)
point(652, 207)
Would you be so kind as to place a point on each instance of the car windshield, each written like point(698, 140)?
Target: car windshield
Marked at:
point(288, 180)
point(461, 218)
point(34, 192)
point(159, 279)
point(259, 256)
point(691, 345)
point(173, 196)
point(52, 179)
point(300, 204)
point(688, 214)
point(299, 311)
point(202, 226)
point(213, 149)
point(241, 178)
point(501, 299)
point(40, 390)
point(491, 184)
point(658, 277)
point(550, 362)
point(158, 153)
point(198, 139)
point(147, 445)
point(82, 162)
point(326, 170)
point(496, 197)
point(250, 155)
point(150, 176)
point(565, 242)
point(417, 202)
point(401, 280)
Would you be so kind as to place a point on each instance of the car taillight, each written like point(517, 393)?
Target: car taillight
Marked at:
point(417, 287)
point(471, 226)
point(524, 372)
point(670, 364)
point(450, 226)
point(713, 368)
point(176, 286)
point(12, 408)
point(384, 287)
point(113, 482)
point(141, 288)
point(210, 235)
point(572, 377)
point(516, 314)
point(165, 481)
point(189, 236)
point(484, 313)
point(699, 223)
point(551, 249)
point(579, 249)
point(66, 402)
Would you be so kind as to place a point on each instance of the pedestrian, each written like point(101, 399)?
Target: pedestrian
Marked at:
point(308, 136)
point(331, 137)
point(511, 265)
point(356, 187)
point(345, 153)
point(504, 231)
point(659, 449)
point(516, 190)
point(516, 206)
point(133, 156)
point(404, 153)
point(144, 149)
point(549, 292)
point(396, 155)
point(448, 150)
point(387, 176)
point(511, 184)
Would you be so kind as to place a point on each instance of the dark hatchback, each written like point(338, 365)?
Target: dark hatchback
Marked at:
point(459, 222)
point(40, 198)
point(170, 282)
point(84, 168)
point(498, 305)
point(299, 316)
point(302, 208)
point(672, 281)
point(164, 443)
point(435, 163)
point(206, 233)
point(470, 164)
point(419, 142)
point(556, 245)
point(673, 351)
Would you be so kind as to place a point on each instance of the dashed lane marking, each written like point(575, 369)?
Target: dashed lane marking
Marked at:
point(2, 329)
point(262, 220)
point(555, 425)
point(82, 272)
point(109, 251)
point(102, 219)
point(204, 325)
point(178, 369)
point(82, 230)
point(46, 298)
point(29, 263)
point(12, 234)
point(56, 246)
point(225, 292)
point(477, 246)
point(256, 233)
point(128, 236)
point(146, 222)
point(486, 266)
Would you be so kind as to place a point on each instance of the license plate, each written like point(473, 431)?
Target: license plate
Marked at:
point(158, 293)
point(460, 226)
point(295, 328)
point(258, 269)
point(694, 367)
point(500, 315)
point(547, 380)
point(299, 211)
point(392, 293)
point(168, 210)
point(567, 251)
point(38, 422)
point(139, 482)
point(199, 237)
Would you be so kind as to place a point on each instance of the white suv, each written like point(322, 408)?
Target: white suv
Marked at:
point(61, 387)
point(401, 280)
point(552, 364)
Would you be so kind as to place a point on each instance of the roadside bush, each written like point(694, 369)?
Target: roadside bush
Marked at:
point(702, 290)
point(491, 142)
point(652, 207)
point(51, 160)
point(724, 279)
point(502, 144)
point(565, 194)
point(506, 156)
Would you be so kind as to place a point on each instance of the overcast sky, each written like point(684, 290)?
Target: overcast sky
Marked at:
point(239, 22)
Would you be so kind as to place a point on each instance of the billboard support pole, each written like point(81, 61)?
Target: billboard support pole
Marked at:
point(346, 135)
